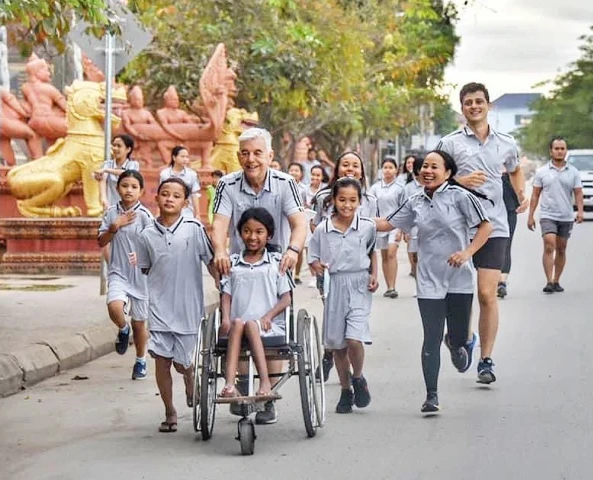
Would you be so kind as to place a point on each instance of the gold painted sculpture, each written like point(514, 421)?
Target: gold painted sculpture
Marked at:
point(40, 184)
point(224, 155)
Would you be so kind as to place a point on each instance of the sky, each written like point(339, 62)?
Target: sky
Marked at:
point(510, 45)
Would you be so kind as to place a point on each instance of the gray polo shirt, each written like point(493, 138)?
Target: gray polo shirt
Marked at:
point(389, 197)
point(347, 251)
point(124, 242)
point(368, 206)
point(558, 185)
point(444, 224)
point(173, 256)
point(492, 157)
point(190, 178)
point(256, 288)
point(412, 188)
point(111, 179)
point(279, 195)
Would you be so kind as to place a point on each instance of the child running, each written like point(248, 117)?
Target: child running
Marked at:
point(444, 213)
point(180, 168)
point(344, 244)
point(171, 251)
point(348, 165)
point(254, 297)
point(296, 171)
point(121, 226)
point(412, 187)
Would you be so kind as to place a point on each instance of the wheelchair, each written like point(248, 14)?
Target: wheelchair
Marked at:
point(301, 349)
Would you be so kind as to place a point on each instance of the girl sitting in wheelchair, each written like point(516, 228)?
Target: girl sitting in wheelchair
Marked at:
point(254, 297)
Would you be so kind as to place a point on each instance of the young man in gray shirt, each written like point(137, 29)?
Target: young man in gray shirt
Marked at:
point(482, 154)
point(555, 183)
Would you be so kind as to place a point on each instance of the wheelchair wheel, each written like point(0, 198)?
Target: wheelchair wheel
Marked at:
point(318, 383)
point(209, 377)
point(246, 435)
point(198, 374)
point(306, 366)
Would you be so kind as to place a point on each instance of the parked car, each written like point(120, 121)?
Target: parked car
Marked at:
point(582, 160)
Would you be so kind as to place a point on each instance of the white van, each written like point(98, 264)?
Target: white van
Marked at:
point(582, 160)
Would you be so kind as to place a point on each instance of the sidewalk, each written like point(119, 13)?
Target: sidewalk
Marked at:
point(49, 324)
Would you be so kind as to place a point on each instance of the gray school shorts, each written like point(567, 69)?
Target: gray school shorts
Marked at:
point(347, 310)
point(172, 345)
point(560, 229)
point(118, 290)
point(384, 241)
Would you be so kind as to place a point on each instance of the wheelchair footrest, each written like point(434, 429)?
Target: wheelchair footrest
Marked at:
point(247, 399)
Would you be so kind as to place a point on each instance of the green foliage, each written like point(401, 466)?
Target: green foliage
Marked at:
point(568, 110)
point(49, 21)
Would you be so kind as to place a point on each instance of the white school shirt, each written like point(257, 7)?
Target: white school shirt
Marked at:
point(368, 206)
point(444, 223)
point(190, 178)
point(558, 185)
point(173, 257)
point(492, 157)
point(348, 251)
point(279, 195)
point(111, 180)
point(256, 288)
point(124, 242)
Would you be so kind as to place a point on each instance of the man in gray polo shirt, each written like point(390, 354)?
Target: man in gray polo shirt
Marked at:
point(481, 154)
point(556, 182)
point(257, 185)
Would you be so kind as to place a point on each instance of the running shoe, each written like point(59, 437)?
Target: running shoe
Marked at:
point(502, 290)
point(431, 404)
point(388, 293)
point(486, 371)
point(558, 288)
point(469, 347)
point(139, 371)
point(549, 288)
point(346, 401)
point(298, 281)
point(394, 294)
point(268, 416)
point(123, 340)
point(459, 355)
point(362, 397)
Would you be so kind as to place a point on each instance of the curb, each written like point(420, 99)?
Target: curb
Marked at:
point(39, 361)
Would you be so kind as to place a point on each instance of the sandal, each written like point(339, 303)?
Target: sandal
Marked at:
point(229, 391)
point(168, 427)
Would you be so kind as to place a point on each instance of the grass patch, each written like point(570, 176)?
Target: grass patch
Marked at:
point(34, 288)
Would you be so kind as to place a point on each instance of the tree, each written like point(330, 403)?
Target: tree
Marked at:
point(568, 110)
point(44, 21)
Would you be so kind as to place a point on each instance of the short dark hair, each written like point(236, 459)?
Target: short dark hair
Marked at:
point(557, 138)
point(178, 181)
point(297, 164)
point(259, 214)
point(218, 173)
point(133, 174)
point(473, 87)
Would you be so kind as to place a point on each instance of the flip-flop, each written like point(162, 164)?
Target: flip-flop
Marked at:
point(168, 427)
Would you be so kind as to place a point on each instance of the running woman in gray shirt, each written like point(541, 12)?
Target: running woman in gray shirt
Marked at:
point(481, 154)
point(444, 213)
point(180, 168)
point(171, 252)
point(555, 183)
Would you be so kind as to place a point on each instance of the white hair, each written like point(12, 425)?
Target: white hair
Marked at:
point(253, 133)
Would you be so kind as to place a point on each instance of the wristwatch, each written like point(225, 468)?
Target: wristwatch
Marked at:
point(294, 249)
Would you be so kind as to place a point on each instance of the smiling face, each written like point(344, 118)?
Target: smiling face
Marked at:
point(433, 173)
point(255, 159)
point(346, 202)
point(171, 199)
point(119, 150)
point(350, 166)
point(316, 177)
point(409, 164)
point(255, 235)
point(475, 107)
point(129, 190)
point(295, 172)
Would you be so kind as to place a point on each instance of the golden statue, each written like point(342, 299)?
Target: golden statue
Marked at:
point(40, 184)
point(224, 154)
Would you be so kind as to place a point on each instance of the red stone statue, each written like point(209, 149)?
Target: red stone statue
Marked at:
point(46, 104)
point(14, 125)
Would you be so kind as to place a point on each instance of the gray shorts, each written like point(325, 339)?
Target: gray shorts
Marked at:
point(347, 310)
point(119, 290)
point(384, 241)
point(560, 229)
point(176, 346)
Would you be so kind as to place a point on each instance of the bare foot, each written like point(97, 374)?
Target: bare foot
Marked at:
point(229, 391)
point(265, 387)
point(188, 378)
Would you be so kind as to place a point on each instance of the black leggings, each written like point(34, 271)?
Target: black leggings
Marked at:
point(512, 218)
point(455, 308)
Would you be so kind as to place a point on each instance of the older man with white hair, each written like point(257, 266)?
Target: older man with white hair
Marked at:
point(257, 185)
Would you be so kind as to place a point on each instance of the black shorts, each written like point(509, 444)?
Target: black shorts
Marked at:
point(492, 254)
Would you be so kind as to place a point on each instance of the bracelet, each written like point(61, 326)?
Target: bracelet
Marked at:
point(294, 249)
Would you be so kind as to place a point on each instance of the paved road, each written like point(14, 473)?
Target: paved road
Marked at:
point(534, 423)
